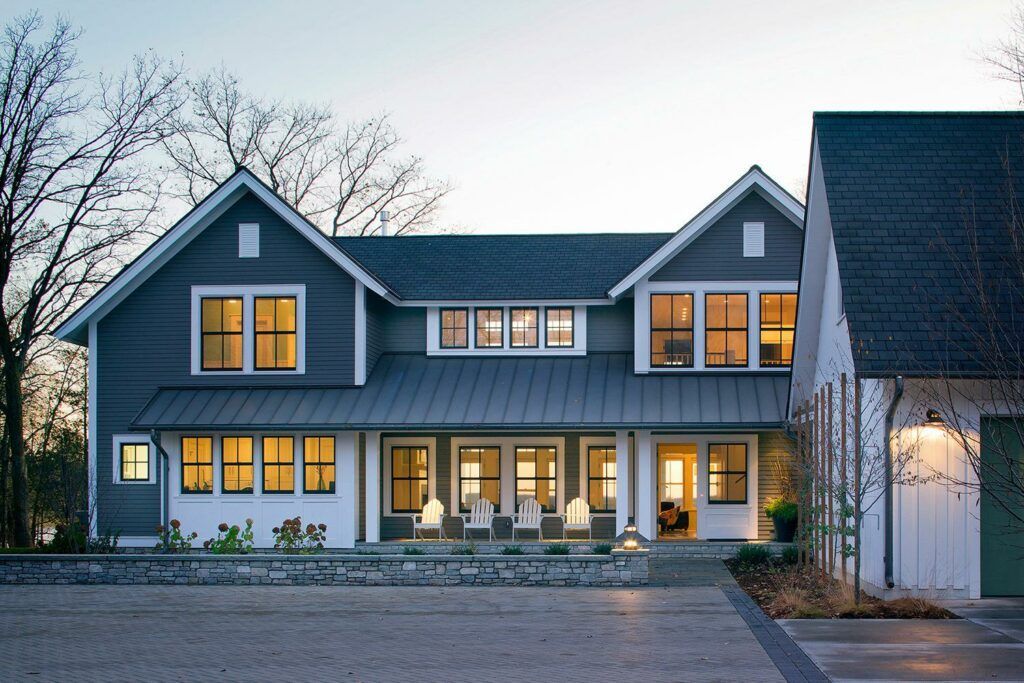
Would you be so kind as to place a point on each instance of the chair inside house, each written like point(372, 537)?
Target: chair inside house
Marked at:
point(431, 519)
point(577, 517)
point(673, 518)
point(528, 517)
point(480, 516)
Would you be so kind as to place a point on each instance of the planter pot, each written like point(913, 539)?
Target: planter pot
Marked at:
point(785, 529)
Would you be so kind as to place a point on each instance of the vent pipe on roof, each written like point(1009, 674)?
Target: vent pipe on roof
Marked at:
point(384, 223)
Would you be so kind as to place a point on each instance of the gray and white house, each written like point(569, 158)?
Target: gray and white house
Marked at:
point(248, 366)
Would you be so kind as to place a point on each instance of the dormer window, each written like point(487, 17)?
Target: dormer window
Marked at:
point(524, 328)
point(559, 327)
point(521, 328)
point(489, 332)
point(454, 328)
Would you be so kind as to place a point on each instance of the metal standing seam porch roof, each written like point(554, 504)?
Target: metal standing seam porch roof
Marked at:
point(417, 392)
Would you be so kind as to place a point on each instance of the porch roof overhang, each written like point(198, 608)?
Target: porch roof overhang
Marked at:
point(409, 392)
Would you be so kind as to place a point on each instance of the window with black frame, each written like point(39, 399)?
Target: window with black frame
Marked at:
point(236, 464)
point(318, 468)
point(196, 464)
point(601, 480)
point(278, 464)
point(559, 327)
point(672, 330)
point(454, 328)
point(276, 336)
point(778, 327)
point(725, 330)
point(536, 476)
point(524, 327)
point(489, 328)
point(134, 462)
point(479, 476)
point(221, 333)
point(727, 473)
point(408, 478)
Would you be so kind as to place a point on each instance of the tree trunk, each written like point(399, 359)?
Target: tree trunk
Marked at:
point(21, 536)
point(5, 499)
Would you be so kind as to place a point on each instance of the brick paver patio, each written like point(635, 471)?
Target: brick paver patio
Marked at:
point(175, 633)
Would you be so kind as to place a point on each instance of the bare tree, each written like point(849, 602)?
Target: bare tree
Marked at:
point(340, 176)
point(75, 193)
point(1006, 58)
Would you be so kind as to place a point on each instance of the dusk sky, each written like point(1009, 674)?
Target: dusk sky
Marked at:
point(580, 116)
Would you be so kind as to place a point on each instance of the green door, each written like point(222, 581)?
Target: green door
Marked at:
point(1002, 534)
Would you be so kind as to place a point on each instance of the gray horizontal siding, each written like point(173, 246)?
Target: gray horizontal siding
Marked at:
point(145, 343)
point(718, 253)
point(610, 328)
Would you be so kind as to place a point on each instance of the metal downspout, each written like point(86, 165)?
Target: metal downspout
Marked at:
point(165, 492)
point(889, 415)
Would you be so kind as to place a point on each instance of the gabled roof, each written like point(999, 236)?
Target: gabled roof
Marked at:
point(902, 189)
point(754, 180)
point(418, 392)
point(502, 267)
point(192, 224)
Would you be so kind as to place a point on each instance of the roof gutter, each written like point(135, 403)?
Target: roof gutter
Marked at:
point(889, 415)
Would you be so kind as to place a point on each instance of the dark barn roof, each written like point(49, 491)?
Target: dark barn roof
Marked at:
point(906, 193)
point(415, 392)
point(464, 267)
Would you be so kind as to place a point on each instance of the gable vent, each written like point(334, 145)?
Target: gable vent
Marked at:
point(753, 239)
point(248, 240)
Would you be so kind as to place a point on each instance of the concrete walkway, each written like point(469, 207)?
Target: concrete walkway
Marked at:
point(243, 633)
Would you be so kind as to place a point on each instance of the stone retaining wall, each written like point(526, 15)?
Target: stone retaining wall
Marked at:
point(619, 569)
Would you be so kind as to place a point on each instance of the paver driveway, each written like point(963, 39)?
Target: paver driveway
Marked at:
point(175, 633)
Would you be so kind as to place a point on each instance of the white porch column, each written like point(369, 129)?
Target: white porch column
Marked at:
point(348, 484)
point(372, 466)
point(645, 469)
point(623, 487)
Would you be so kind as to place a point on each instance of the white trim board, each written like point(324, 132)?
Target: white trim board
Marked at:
point(193, 224)
point(754, 180)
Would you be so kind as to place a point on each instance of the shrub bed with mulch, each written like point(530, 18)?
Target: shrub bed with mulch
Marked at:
point(785, 591)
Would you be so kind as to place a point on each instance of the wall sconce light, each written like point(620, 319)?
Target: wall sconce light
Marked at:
point(933, 418)
point(629, 537)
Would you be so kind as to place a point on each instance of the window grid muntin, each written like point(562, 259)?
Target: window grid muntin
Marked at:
point(415, 486)
point(195, 464)
point(277, 465)
point(236, 463)
point(523, 329)
point(727, 330)
point(453, 329)
point(480, 480)
point(779, 329)
point(319, 463)
point(276, 333)
point(606, 455)
point(550, 482)
point(490, 328)
point(134, 462)
point(685, 333)
point(723, 474)
point(564, 322)
point(221, 335)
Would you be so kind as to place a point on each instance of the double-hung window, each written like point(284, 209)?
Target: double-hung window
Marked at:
point(535, 475)
point(318, 475)
point(479, 476)
point(601, 481)
point(408, 478)
point(725, 330)
point(727, 473)
point(672, 330)
point(489, 328)
point(134, 462)
point(196, 464)
point(275, 333)
point(236, 464)
point(524, 327)
point(559, 324)
point(278, 464)
point(454, 328)
point(221, 342)
point(778, 326)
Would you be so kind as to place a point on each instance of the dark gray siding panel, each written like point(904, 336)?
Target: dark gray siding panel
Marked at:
point(610, 328)
point(144, 343)
point(374, 330)
point(718, 253)
point(390, 329)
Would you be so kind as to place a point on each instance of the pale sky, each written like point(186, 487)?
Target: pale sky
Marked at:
point(579, 116)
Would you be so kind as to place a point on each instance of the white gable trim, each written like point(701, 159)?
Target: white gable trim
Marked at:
point(185, 230)
point(754, 180)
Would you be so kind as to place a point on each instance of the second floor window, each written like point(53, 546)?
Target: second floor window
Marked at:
point(559, 327)
point(524, 327)
point(672, 330)
point(275, 333)
point(489, 333)
point(725, 330)
point(278, 464)
point(778, 326)
point(479, 476)
point(236, 464)
point(454, 328)
point(196, 464)
point(222, 333)
point(535, 476)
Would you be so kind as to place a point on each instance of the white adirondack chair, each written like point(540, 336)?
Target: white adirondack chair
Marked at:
point(577, 517)
point(431, 518)
point(528, 517)
point(481, 516)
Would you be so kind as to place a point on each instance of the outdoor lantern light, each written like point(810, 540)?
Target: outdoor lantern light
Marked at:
point(629, 537)
point(933, 418)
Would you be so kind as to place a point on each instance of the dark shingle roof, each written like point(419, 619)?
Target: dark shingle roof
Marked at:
point(902, 189)
point(411, 391)
point(567, 266)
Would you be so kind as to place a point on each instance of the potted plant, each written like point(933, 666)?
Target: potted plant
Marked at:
point(782, 512)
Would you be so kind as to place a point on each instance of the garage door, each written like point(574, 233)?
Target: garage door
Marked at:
point(1002, 537)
